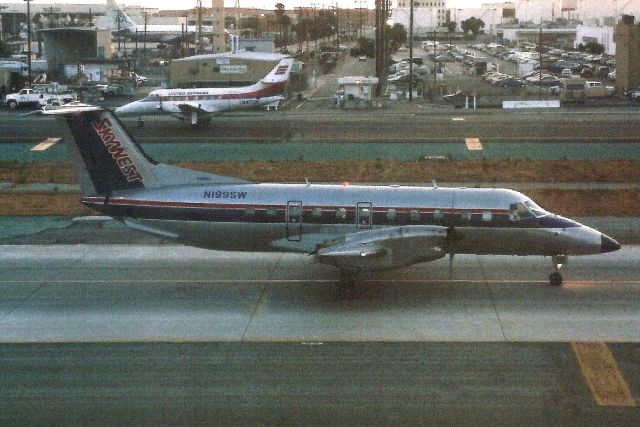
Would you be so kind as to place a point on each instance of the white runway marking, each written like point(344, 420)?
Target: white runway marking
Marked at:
point(46, 144)
point(473, 144)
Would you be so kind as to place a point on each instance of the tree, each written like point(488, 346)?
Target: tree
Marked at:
point(283, 23)
point(5, 49)
point(396, 36)
point(472, 24)
point(230, 22)
point(451, 26)
point(594, 48)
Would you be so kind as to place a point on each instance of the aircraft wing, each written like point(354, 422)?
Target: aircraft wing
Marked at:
point(385, 248)
point(194, 107)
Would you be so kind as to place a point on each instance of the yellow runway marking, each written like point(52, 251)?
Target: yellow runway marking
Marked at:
point(601, 372)
point(47, 143)
point(473, 144)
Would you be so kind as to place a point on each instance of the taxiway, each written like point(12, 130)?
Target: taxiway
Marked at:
point(113, 293)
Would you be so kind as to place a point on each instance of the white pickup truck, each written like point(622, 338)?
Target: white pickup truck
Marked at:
point(36, 98)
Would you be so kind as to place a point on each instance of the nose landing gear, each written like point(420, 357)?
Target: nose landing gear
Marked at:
point(555, 278)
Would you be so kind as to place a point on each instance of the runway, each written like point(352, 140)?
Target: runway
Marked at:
point(149, 293)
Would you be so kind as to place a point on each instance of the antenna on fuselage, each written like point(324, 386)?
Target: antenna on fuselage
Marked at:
point(307, 181)
point(435, 184)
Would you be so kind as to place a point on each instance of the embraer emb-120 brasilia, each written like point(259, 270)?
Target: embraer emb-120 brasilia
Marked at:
point(352, 227)
point(200, 105)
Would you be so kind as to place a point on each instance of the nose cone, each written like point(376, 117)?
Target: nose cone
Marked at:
point(608, 244)
point(129, 109)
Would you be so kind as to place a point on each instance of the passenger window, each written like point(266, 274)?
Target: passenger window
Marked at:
point(250, 212)
point(486, 216)
point(341, 213)
point(414, 215)
point(391, 214)
point(316, 212)
point(438, 214)
point(272, 212)
point(465, 215)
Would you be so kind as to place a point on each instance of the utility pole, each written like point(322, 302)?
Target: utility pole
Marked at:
point(29, 40)
point(135, 58)
point(119, 19)
point(199, 26)
point(144, 39)
point(337, 26)
point(540, 60)
point(378, 45)
point(435, 67)
point(410, 50)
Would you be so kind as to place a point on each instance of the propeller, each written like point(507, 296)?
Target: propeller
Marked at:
point(451, 238)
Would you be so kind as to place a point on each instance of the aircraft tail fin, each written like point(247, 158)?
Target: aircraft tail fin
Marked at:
point(105, 156)
point(107, 159)
point(126, 23)
point(280, 72)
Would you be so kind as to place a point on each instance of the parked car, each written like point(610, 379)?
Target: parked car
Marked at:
point(545, 80)
point(634, 94)
point(511, 82)
point(566, 72)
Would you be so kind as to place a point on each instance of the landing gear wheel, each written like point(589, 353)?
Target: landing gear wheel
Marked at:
point(346, 285)
point(555, 279)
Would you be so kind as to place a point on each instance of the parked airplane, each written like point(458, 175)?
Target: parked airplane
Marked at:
point(164, 33)
point(200, 105)
point(354, 228)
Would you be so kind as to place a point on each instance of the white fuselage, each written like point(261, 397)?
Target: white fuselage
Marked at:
point(254, 216)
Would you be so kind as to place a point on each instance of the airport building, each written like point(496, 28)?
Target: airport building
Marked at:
point(428, 15)
point(627, 36)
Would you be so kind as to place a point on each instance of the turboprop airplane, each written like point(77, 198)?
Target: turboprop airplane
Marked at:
point(355, 228)
point(200, 105)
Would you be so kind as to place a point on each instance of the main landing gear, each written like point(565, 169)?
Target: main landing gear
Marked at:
point(555, 278)
point(347, 284)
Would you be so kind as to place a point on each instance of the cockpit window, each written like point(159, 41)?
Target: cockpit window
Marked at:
point(535, 210)
point(526, 209)
point(518, 211)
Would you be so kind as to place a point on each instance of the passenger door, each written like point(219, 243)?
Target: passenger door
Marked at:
point(363, 215)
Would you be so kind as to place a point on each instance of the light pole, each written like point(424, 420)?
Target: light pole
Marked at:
point(29, 39)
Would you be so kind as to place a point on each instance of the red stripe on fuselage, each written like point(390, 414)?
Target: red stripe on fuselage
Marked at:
point(348, 208)
point(270, 90)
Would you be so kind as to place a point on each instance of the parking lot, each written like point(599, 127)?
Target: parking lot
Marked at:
point(494, 73)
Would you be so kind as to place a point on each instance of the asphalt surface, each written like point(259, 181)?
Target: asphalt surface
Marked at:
point(397, 123)
point(281, 384)
point(94, 293)
point(100, 325)
point(167, 335)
